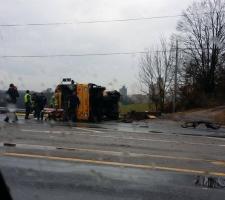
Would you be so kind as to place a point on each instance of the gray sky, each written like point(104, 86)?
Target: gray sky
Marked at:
point(110, 71)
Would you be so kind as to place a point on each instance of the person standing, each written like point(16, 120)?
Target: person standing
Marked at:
point(11, 98)
point(74, 103)
point(72, 86)
point(38, 107)
point(66, 93)
point(43, 102)
point(52, 101)
point(34, 104)
point(27, 102)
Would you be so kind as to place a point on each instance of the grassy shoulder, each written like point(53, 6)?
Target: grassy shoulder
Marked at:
point(214, 114)
point(141, 107)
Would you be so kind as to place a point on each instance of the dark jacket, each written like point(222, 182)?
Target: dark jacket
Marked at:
point(74, 102)
point(12, 95)
point(40, 101)
point(43, 101)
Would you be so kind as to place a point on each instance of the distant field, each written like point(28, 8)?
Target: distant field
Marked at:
point(136, 107)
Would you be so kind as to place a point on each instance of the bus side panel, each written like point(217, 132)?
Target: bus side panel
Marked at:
point(58, 100)
point(83, 112)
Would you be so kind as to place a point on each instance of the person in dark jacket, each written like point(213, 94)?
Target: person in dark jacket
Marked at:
point(38, 107)
point(11, 98)
point(74, 103)
point(43, 102)
point(40, 102)
point(33, 104)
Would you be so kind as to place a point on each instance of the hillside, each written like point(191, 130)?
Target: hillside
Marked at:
point(216, 114)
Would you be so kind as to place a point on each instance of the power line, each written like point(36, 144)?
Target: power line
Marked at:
point(100, 21)
point(97, 54)
point(91, 21)
point(73, 55)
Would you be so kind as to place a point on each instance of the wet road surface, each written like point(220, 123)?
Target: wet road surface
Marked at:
point(111, 160)
point(41, 179)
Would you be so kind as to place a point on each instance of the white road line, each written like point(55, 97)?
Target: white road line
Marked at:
point(35, 131)
point(43, 131)
point(87, 129)
point(214, 138)
point(127, 138)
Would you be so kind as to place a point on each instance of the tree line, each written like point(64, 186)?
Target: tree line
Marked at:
point(201, 55)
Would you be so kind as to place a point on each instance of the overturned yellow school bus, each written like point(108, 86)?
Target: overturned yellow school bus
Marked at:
point(95, 103)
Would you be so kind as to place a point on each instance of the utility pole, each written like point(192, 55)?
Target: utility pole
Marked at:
point(175, 79)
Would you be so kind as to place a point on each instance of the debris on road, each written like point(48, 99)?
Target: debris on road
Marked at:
point(137, 116)
point(195, 124)
point(210, 182)
point(53, 114)
point(152, 117)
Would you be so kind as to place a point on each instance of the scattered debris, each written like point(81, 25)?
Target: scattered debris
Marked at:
point(124, 120)
point(210, 182)
point(137, 116)
point(152, 117)
point(144, 126)
point(194, 124)
point(155, 131)
point(53, 114)
point(9, 144)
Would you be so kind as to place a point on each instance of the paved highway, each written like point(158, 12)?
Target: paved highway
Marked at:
point(157, 159)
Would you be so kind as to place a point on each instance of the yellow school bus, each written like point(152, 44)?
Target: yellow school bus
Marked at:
point(90, 96)
point(83, 112)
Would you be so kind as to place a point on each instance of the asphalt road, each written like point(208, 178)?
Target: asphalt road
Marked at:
point(142, 160)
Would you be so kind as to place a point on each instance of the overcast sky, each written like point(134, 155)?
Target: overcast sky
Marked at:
point(110, 71)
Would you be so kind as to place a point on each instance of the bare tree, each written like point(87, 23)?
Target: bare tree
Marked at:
point(156, 73)
point(202, 29)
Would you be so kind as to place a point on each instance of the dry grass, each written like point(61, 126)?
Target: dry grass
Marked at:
point(216, 114)
point(141, 107)
point(220, 117)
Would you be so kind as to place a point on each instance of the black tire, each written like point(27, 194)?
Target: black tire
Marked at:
point(214, 126)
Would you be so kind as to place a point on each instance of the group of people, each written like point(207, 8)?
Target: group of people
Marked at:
point(33, 103)
point(36, 102)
